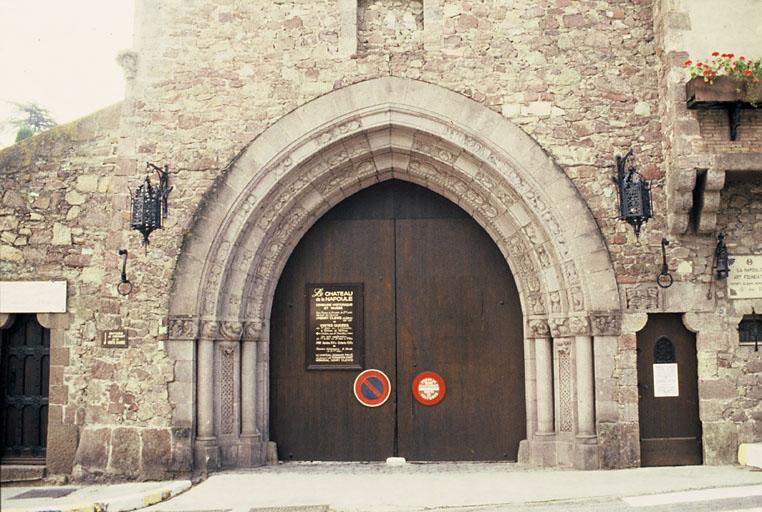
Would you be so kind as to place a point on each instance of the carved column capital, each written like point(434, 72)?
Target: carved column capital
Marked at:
point(579, 326)
point(607, 323)
point(209, 330)
point(559, 327)
point(538, 328)
point(183, 327)
point(231, 330)
point(253, 330)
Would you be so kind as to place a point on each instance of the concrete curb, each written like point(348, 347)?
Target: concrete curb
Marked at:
point(117, 504)
point(750, 454)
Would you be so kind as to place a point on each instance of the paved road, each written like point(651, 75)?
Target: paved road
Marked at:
point(459, 487)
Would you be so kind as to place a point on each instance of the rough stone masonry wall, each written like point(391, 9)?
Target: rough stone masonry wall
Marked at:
point(58, 221)
point(576, 75)
point(729, 375)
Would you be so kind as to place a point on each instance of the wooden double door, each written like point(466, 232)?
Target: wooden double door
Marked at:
point(438, 296)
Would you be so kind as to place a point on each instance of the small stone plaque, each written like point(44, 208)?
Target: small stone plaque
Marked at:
point(114, 339)
point(745, 278)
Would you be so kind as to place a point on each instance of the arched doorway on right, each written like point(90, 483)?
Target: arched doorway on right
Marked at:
point(670, 428)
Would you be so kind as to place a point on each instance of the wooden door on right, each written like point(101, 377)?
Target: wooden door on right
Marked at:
point(670, 429)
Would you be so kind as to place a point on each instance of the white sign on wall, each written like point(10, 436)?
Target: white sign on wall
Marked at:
point(32, 296)
point(665, 380)
point(745, 277)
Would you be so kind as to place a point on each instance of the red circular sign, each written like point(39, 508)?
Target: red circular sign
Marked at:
point(429, 388)
point(372, 388)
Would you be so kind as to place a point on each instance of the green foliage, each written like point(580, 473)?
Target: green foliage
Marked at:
point(33, 117)
point(24, 132)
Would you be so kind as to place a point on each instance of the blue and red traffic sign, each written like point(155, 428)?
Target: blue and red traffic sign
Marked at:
point(372, 388)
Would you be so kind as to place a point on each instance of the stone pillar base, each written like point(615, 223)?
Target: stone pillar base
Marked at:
point(252, 451)
point(543, 450)
point(586, 454)
point(206, 454)
point(525, 452)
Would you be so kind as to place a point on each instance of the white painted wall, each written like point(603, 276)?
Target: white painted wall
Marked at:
point(726, 26)
point(32, 296)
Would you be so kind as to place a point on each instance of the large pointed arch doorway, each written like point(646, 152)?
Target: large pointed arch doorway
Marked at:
point(437, 296)
point(324, 152)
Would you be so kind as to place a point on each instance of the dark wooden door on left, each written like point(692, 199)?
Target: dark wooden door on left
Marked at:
point(24, 370)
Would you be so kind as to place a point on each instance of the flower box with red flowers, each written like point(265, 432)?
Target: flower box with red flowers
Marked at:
point(727, 82)
point(724, 79)
point(721, 91)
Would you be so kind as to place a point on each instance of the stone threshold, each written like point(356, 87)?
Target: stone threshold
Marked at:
point(10, 473)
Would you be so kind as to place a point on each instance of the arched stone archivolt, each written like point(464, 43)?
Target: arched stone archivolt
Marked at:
point(350, 139)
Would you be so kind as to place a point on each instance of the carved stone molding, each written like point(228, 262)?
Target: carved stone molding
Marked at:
point(565, 399)
point(606, 324)
point(563, 346)
point(559, 327)
point(210, 330)
point(231, 330)
point(227, 371)
point(579, 326)
point(641, 297)
point(538, 328)
point(128, 60)
point(183, 328)
point(252, 330)
point(291, 182)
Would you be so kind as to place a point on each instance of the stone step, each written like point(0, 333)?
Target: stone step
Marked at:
point(21, 473)
point(750, 454)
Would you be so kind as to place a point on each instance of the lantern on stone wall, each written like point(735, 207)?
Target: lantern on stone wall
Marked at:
point(634, 194)
point(722, 263)
point(149, 203)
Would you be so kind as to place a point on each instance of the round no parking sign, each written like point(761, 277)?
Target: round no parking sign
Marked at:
point(372, 388)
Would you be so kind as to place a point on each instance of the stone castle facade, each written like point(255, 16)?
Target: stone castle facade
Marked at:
point(269, 113)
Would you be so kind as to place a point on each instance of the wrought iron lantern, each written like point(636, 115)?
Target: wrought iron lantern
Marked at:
point(750, 329)
point(722, 263)
point(634, 194)
point(149, 203)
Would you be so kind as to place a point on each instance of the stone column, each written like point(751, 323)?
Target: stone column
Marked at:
point(205, 390)
point(249, 389)
point(530, 397)
point(583, 347)
point(252, 451)
point(544, 370)
point(207, 450)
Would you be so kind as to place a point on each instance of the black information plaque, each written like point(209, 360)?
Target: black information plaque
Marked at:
point(114, 339)
point(335, 331)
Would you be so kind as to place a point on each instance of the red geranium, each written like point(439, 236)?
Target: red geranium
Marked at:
point(726, 64)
